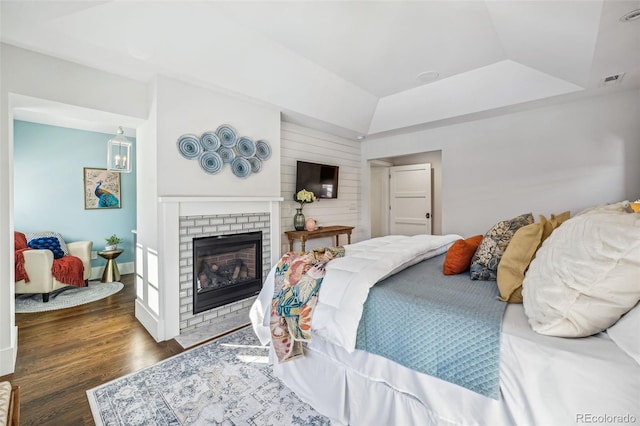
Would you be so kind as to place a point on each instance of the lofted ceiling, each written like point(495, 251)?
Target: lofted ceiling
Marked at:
point(367, 67)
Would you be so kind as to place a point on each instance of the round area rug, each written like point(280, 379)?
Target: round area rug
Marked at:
point(26, 303)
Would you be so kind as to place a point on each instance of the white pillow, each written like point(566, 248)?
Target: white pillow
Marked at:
point(626, 333)
point(622, 206)
point(586, 275)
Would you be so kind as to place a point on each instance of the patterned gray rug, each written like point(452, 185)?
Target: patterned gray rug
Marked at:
point(224, 382)
point(74, 296)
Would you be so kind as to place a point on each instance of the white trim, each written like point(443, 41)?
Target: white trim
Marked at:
point(148, 320)
point(196, 199)
point(9, 355)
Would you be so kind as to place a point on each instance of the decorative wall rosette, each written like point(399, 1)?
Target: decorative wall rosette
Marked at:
point(189, 146)
point(210, 141)
point(211, 162)
point(214, 149)
point(227, 135)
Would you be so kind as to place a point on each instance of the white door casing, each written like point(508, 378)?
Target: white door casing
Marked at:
point(379, 196)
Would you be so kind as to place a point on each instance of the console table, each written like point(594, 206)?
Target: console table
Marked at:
point(327, 231)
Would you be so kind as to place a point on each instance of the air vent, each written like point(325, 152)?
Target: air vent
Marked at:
point(631, 16)
point(611, 80)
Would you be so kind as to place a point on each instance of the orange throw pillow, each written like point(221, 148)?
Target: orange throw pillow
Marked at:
point(458, 258)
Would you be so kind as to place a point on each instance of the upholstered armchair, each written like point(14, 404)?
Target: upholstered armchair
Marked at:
point(43, 276)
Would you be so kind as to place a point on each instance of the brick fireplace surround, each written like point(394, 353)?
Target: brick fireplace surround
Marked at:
point(207, 226)
point(182, 219)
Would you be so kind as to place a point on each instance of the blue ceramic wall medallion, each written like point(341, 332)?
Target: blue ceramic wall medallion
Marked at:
point(210, 141)
point(263, 150)
point(211, 162)
point(214, 149)
point(227, 154)
point(256, 164)
point(189, 146)
point(227, 135)
point(245, 147)
point(241, 167)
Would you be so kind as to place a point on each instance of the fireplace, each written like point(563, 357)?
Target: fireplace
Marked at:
point(226, 268)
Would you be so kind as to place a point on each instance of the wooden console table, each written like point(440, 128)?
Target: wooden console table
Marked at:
point(327, 231)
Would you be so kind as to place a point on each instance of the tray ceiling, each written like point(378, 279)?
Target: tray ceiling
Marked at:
point(351, 64)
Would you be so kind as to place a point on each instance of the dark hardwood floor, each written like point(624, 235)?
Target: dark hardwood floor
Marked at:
point(63, 353)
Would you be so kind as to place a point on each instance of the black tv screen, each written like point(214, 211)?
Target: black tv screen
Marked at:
point(320, 179)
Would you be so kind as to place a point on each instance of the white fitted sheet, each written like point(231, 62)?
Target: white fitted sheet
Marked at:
point(544, 381)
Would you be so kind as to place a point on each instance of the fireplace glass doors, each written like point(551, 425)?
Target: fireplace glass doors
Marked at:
point(226, 268)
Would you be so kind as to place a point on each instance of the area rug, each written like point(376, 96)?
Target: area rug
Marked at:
point(224, 382)
point(27, 303)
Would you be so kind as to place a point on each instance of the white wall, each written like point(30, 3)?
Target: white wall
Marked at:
point(178, 108)
point(184, 108)
point(301, 143)
point(31, 74)
point(562, 157)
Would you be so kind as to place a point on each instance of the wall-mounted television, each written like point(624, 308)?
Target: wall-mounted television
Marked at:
point(321, 179)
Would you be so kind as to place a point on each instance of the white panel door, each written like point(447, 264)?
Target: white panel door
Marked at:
point(410, 196)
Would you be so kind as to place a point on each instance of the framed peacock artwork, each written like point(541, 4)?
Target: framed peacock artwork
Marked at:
point(101, 189)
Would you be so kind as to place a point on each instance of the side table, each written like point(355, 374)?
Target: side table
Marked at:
point(111, 272)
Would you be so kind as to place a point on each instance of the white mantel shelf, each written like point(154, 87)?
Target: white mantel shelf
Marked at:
point(209, 199)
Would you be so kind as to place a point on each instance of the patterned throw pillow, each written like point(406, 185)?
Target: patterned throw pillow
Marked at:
point(484, 265)
point(43, 234)
point(47, 243)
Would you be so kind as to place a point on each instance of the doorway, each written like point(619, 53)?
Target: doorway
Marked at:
point(380, 202)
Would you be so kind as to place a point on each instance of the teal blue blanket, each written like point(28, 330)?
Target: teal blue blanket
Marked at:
point(444, 326)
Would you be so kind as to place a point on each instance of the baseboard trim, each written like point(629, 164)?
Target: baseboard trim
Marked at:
point(148, 320)
point(9, 355)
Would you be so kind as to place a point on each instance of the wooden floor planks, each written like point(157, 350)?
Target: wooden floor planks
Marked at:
point(63, 353)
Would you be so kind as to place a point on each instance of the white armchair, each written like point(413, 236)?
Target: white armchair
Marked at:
point(38, 264)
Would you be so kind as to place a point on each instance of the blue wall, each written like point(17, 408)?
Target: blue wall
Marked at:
point(49, 183)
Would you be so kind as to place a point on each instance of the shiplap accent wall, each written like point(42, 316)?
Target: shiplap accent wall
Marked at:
point(301, 143)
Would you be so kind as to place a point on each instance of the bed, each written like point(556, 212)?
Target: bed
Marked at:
point(543, 379)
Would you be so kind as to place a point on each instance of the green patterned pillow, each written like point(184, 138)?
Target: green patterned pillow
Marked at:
point(484, 264)
point(45, 234)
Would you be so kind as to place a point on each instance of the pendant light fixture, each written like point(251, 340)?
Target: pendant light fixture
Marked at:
point(119, 153)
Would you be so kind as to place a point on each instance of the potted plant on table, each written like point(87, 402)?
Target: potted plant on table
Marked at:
point(302, 197)
point(112, 242)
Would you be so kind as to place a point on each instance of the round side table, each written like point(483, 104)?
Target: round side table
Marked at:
point(111, 272)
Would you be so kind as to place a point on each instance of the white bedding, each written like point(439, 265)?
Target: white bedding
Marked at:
point(346, 284)
point(544, 381)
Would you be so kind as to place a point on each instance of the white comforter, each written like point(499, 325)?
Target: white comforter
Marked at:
point(347, 282)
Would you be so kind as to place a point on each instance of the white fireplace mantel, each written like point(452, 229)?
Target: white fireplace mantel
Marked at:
point(199, 199)
point(166, 324)
point(194, 205)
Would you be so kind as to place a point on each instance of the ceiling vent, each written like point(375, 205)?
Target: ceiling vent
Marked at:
point(612, 80)
point(631, 16)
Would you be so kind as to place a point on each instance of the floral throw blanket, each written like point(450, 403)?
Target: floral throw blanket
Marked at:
point(298, 277)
